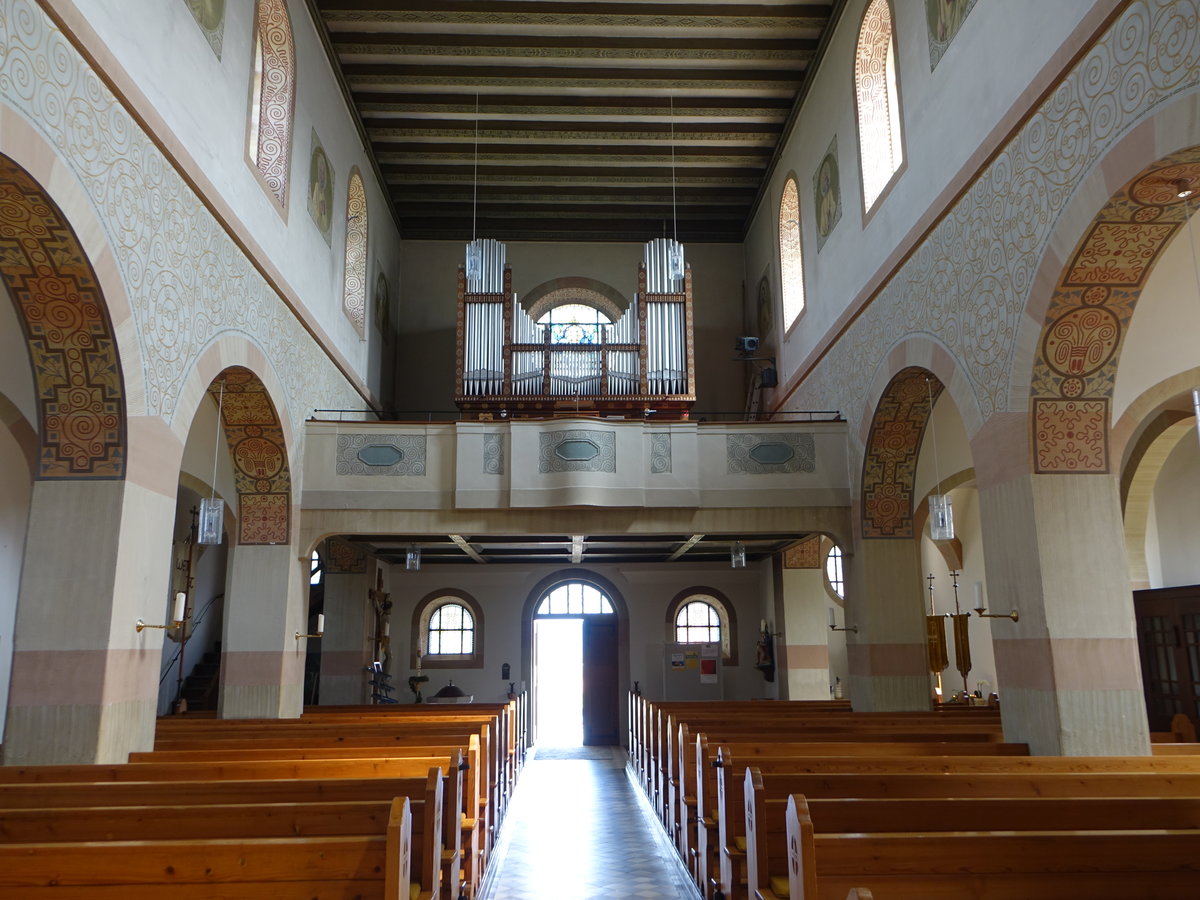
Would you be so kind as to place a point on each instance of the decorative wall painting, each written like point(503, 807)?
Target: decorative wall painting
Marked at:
point(827, 194)
point(320, 190)
point(944, 18)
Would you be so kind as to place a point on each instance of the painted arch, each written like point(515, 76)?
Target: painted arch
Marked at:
point(72, 349)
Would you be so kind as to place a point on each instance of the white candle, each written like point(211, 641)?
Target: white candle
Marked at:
point(180, 606)
point(387, 628)
point(832, 618)
point(320, 623)
point(979, 595)
point(762, 626)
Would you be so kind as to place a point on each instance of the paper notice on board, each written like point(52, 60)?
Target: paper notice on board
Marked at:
point(693, 658)
point(676, 661)
point(709, 651)
point(708, 671)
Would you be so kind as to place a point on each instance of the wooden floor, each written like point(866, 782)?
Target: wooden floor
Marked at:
point(609, 846)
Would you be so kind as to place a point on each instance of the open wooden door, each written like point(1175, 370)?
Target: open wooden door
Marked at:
point(601, 707)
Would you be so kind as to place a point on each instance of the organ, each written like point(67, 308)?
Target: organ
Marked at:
point(640, 363)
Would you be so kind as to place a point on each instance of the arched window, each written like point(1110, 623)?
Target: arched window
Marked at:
point(448, 631)
point(272, 97)
point(354, 278)
point(791, 267)
point(574, 598)
point(880, 148)
point(833, 571)
point(703, 615)
point(316, 571)
point(575, 323)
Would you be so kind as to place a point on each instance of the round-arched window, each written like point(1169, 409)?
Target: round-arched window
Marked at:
point(448, 631)
point(833, 571)
point(574, 598)
point(702, 615)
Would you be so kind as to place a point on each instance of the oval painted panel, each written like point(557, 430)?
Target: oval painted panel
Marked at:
point(380, 455)
point(771, 453)
point(577, 450)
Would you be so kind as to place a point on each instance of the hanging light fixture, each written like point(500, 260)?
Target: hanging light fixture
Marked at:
point(474, 262)
point(737, 555)
point(412, 558)
point(675, 263)
point(212, 509)
point(941, 514)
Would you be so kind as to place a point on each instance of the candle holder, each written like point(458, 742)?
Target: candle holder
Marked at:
point(1014, 615)
point(179, 614)
point(141, 626)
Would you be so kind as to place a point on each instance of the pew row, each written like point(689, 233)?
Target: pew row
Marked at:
point(1117, 864)
point(377, 863)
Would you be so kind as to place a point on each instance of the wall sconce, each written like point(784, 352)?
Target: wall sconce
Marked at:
point(412, 558)
point(833, 625)
point(178, 614)
point(320, 632)
point(737, 555)
point(979, 607)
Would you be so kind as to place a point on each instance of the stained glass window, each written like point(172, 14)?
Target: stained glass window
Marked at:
point(574, 323)
point(879, 141)
point(791, 266)
point(272, 96)
point(354, 279)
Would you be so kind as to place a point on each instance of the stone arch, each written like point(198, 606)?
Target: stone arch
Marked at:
point(574, 289)
point(259, 450)
point(893, 443)
point(22, 432)
point(82, 427)
point(1079, 344)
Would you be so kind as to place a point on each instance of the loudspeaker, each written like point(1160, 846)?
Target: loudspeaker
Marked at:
point(769, 377)
point(747, 345)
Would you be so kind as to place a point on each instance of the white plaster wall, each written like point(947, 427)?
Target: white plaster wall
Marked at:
point(204, 102)
point(427, 310)
point(1154, 575)
point(946, 115)
point(968, 531)
point(1175, 517)
point(199, 456)
point(1161, 338)
point(953, 450)
point(15, 492)
point(647, 591)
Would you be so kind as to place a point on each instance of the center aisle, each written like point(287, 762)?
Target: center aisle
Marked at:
point(577, 829)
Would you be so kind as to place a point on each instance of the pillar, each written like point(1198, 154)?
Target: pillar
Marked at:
point(84, 683)
point(346, 646)
point(805, 660)
point(1068, 670)
point(887, 659)
point(262, 661)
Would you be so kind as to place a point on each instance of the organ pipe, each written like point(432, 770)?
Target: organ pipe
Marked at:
point(640, 361)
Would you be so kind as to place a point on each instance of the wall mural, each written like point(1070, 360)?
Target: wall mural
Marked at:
point(827, 194)
point(766, 308)
point(944, 18)
point(1076, 366)
point(320, 189)
point(344, 558)
point(383, 306)
point(381, 454)
point(804, 555)
point(80, 388)
point(890, 465)
point(187, 281)
point(660, 452)
point(210, 16)
point(966, 285)
point(260, 462)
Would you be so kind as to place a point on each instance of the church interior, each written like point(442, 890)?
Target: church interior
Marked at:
point(601, 384)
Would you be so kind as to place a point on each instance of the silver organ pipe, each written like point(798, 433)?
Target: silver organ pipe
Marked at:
point(498, 334)
point(657, 257)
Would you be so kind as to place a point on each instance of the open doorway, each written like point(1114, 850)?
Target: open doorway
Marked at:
point(575, 668)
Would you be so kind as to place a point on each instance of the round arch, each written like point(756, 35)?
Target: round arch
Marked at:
point(83, 432)
point(543, 586)
point(574, 289)
point(725, 610)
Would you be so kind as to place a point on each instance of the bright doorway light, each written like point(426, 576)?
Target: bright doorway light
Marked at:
point(558, 681)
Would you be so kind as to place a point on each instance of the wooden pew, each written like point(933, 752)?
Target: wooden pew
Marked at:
point(448, 843)
point(1099, 865)
point(701, 808)
point(373, 865)
point(766, 832)
point(927, 777)
point(469, 842)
